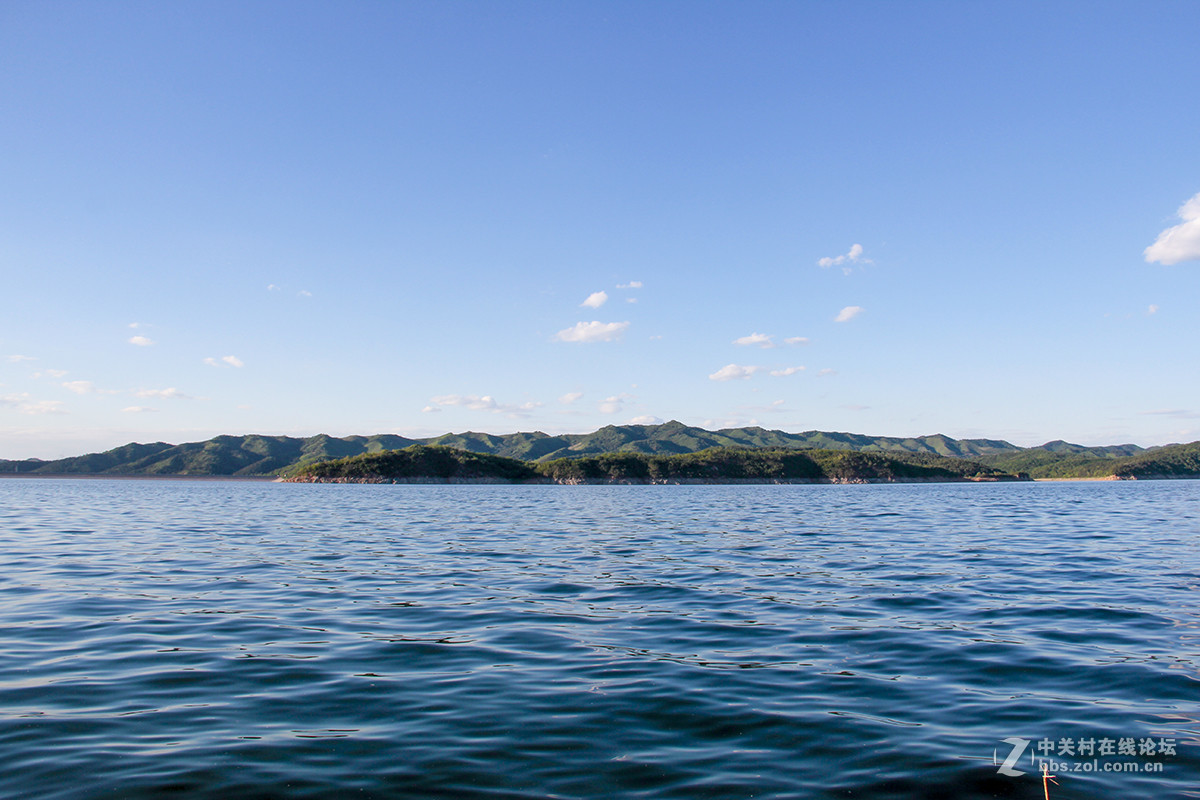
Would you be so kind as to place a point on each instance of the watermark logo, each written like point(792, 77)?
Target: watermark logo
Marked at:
point(1085, 754)
point(1010, 761)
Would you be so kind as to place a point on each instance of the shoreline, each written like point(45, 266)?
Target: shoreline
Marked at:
point(92, 477)
point(680, 482)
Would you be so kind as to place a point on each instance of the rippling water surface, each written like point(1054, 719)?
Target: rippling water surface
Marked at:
point(257, 640)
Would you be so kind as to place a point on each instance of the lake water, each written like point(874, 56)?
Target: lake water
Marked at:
point(193, 639)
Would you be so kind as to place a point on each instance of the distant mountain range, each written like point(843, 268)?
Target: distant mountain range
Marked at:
point(257, 456)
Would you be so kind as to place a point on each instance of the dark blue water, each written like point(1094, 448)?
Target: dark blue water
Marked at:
point(164, 639)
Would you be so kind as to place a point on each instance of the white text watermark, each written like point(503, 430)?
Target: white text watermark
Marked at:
point(1084, 754)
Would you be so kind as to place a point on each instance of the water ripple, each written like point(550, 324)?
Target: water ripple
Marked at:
point(250, 640)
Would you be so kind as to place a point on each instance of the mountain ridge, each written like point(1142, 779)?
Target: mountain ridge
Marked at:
point(255, 455)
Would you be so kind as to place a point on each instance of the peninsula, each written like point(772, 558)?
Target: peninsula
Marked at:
point(440, 464)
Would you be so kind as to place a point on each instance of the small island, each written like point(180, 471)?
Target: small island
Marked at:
point(718, 465)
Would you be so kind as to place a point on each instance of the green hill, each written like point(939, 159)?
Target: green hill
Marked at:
point(725, 465)
point(418, 463)
point(221, 456)
point(1059, 459)
point(675, 437)
point(1173, 461)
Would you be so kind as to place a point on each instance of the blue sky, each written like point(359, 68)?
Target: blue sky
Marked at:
point(356, 218)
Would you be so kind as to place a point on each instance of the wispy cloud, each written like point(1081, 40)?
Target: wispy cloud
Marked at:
point(848, 313)
point(646, 419)
point(43, 407)
point(1152, 309)
point(595, 300)
point(80, 387)
point(225, 361)
point(826, 372)
point(304, 293)
point(844, 261)
point(19, 359)
point(612, 405)
point(630, 285)
point(767, 341)
point(784, 371)
point(139, 410)
point(166, 394)
point(477, 403)
point(570, 397)
point(141, 341)
point(592, 332)
point(774, 407)
point(24, 404)
point(760, 339)
point(1175, 413)
point(731, 372)
point(1180, 242)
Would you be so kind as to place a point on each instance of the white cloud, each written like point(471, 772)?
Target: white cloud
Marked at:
point(1181, 242)
point(304, 293)
point(570, 397)
point(592, 332)
point(630, 299)
point(51, 373)
point(630, 285)
point(779, 373)
point(484, 403)
point(595, 300)
point(431, 410)
point(827, 371)
point(852, 257)
point(80, 387)
point(795, 340)
point(272, 287)
point(225, 361)
point(139, 410)
point(140, 341)
point(612, 405)
point(731, 372)
point(24, 404)
point(19, 359)
point(1152, 309)
point(848, 313)
point(646, 419)
point(761, 339)
point(166, 394)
